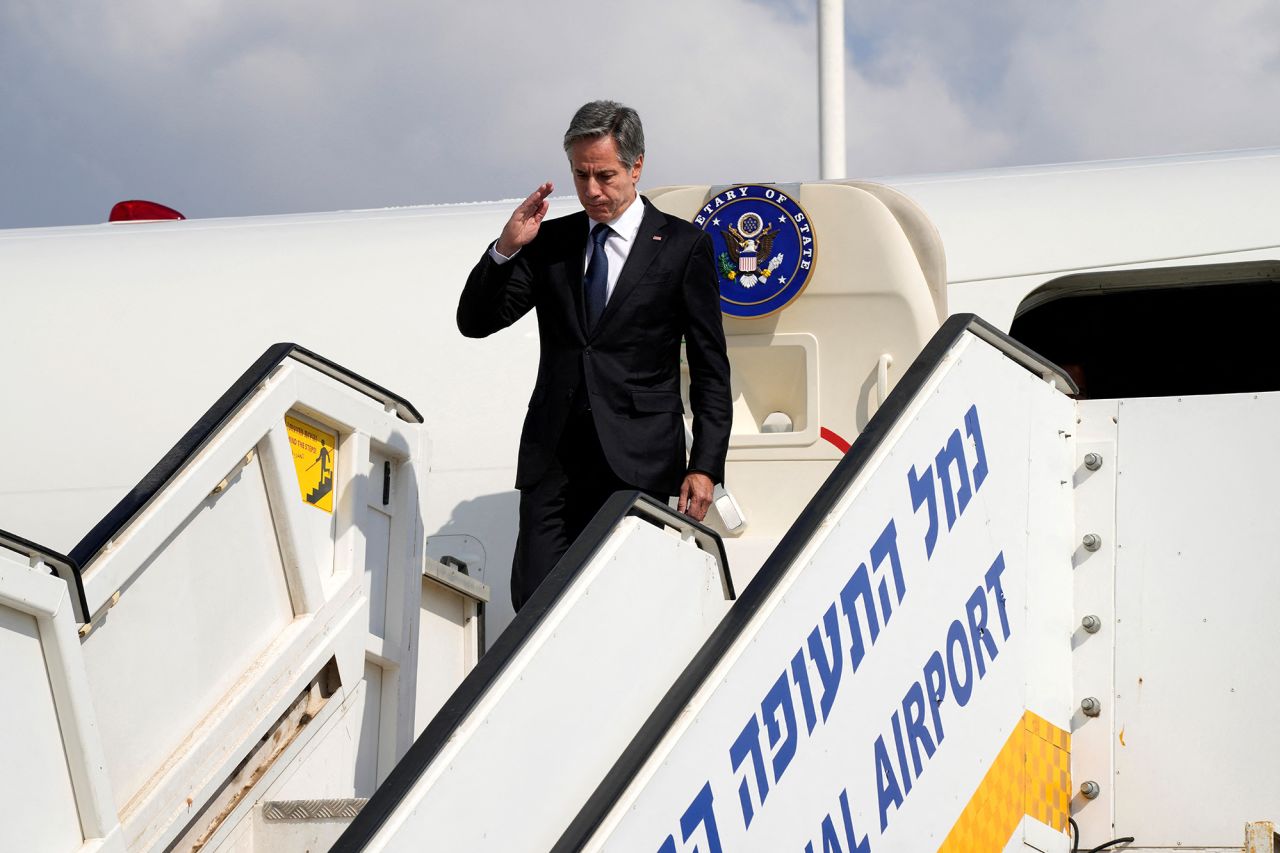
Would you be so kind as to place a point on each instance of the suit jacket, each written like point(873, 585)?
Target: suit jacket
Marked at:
point(629, 365)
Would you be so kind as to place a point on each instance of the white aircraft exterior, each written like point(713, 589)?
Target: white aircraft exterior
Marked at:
point(120, 336)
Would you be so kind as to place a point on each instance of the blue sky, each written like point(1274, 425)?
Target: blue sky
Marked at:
point(231, 107)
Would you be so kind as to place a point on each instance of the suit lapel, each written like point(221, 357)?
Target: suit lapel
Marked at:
point(567, 273)
point(647, 246)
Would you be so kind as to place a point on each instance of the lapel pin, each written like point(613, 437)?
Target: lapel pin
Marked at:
point(657, 237)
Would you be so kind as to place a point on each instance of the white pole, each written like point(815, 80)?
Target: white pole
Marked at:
point(831, 88)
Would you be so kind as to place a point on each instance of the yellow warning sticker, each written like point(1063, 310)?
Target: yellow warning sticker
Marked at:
point(315, 453)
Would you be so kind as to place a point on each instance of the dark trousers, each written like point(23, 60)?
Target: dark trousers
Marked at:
point(558, 508)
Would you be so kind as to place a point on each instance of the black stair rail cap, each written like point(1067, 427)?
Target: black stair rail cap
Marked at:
point(62, 565)
point(444, 725)
point(793, 542)
point(208, 425)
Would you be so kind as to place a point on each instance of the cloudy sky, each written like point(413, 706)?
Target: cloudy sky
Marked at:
point(237, 107)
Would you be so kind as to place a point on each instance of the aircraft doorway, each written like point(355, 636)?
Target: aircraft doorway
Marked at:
point(1162, 332)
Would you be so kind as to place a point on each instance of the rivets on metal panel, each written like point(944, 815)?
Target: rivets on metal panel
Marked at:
point(1090, 790)
point(1091, 706)
point(1091, 541)
point(1091, 623)
point(1093, 461)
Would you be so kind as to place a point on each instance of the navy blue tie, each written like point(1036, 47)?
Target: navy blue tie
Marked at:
point(595, 284)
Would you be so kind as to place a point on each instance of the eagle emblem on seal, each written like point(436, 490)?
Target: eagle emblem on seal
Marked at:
point(762, 247)
point(749, 244)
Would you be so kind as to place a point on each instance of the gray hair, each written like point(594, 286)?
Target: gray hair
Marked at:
point(601, 118)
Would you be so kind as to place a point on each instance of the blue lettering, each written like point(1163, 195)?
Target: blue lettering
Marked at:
point(887, 546)
point(748, 743)
point(800, 673)
point(956, 638)
point(850, 834)
point(953, 453)
point(859, 586)
point(917, 731)
point(830, 839)
point(922, 492)
point(702, 813)
point(976, 608)
point(935, 681)
point(900, 748)
point(887, 791)
point(779, 698)
point(828, 668)
point(951, 667)
point(830, 843)
point(993, 583)
point(974, 431)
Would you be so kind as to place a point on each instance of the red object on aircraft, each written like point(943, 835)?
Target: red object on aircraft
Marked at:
point(836, 439)
point(138, 210)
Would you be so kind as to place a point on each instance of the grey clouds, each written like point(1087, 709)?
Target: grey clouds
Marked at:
point(228, 107)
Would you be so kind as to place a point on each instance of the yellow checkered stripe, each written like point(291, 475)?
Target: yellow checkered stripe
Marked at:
point(1030, 776)
point(1048, 771)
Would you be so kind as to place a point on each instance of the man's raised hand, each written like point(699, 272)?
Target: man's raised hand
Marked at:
point(525, 220)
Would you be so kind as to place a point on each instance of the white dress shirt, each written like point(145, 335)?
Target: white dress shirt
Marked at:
point(617, 246)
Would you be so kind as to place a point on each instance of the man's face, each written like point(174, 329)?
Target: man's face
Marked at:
point(605, 186)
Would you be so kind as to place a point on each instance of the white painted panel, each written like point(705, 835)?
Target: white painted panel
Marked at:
point(745, 763)
point(1197, 582)
point(186, 629)
point(1051, 457)
point(366, 763)
point(544, 735)
point(467, 549)
point(1075, 216)
point(762, 488)
point(37, 803)
point(1093, 740)
point(418, 355)
point(442, 648)
point(377, 533)
point(322, 768)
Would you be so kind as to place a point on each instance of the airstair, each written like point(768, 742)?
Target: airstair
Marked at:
point(945, 652)
point(894, 678)
point(540, 721)
point(976, 636)
point(237, 656)
point(897, 675)
point(229, 659)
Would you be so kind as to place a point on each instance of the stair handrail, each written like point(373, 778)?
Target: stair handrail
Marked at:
point(204, 429)
point(442, 727)
point(58, 564)
point(811, 518)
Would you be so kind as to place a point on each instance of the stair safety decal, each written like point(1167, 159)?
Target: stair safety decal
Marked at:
point(315, 454)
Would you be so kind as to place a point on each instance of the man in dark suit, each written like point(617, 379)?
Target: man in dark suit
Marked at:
point(615, 288)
